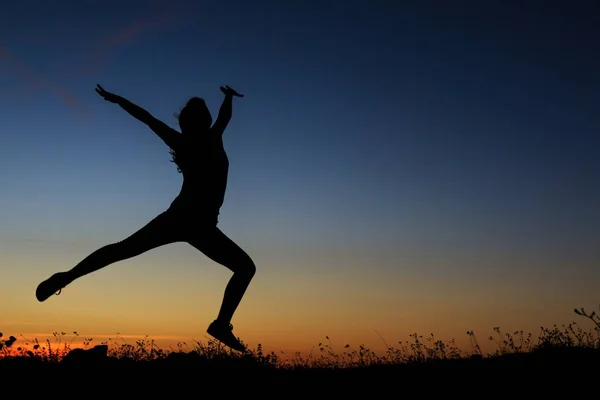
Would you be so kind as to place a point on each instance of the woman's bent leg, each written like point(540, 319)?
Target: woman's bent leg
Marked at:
point(218, 247)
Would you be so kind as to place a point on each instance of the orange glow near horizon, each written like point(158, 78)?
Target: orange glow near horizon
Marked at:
point(287, 314)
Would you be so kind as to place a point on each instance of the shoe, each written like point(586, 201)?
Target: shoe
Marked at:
point(52, 285)
point(224, 333)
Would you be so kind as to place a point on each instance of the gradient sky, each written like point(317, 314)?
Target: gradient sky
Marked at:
point(395, 167)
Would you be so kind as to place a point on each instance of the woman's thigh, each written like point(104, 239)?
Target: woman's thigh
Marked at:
point(220, 248)
point(163, 229)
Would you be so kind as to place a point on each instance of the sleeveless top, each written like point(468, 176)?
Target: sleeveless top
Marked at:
point(204, 165)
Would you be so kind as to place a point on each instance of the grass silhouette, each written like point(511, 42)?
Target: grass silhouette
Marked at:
point(567, 345)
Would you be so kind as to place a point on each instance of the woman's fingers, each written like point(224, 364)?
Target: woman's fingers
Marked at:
point(229, 89)
point(101, 90)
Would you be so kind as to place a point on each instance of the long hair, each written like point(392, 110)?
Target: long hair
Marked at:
point(172, 151)
point(174, 159)
point(187, 117)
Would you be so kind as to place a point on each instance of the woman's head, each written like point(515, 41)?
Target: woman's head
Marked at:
point(194, 116)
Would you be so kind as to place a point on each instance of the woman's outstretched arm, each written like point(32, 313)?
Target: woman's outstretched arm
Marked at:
point(226, 110)
point(169, 135)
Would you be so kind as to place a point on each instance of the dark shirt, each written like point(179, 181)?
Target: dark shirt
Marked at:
point(204, 165)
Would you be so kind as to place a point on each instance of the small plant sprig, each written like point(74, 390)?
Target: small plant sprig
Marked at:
point(6, 345)
point(595, 318)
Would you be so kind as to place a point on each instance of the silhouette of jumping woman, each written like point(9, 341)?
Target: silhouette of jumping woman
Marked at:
point(192, 217)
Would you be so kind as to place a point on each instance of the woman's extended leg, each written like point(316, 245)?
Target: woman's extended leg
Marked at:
point(219, 248)
point(160, 231)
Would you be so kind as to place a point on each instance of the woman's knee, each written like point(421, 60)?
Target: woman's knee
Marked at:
point(245, 267)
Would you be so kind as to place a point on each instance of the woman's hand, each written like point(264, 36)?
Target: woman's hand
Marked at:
point(108, 96)
point(229, 91)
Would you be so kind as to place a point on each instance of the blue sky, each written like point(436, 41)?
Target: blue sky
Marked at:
point(383, 152)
